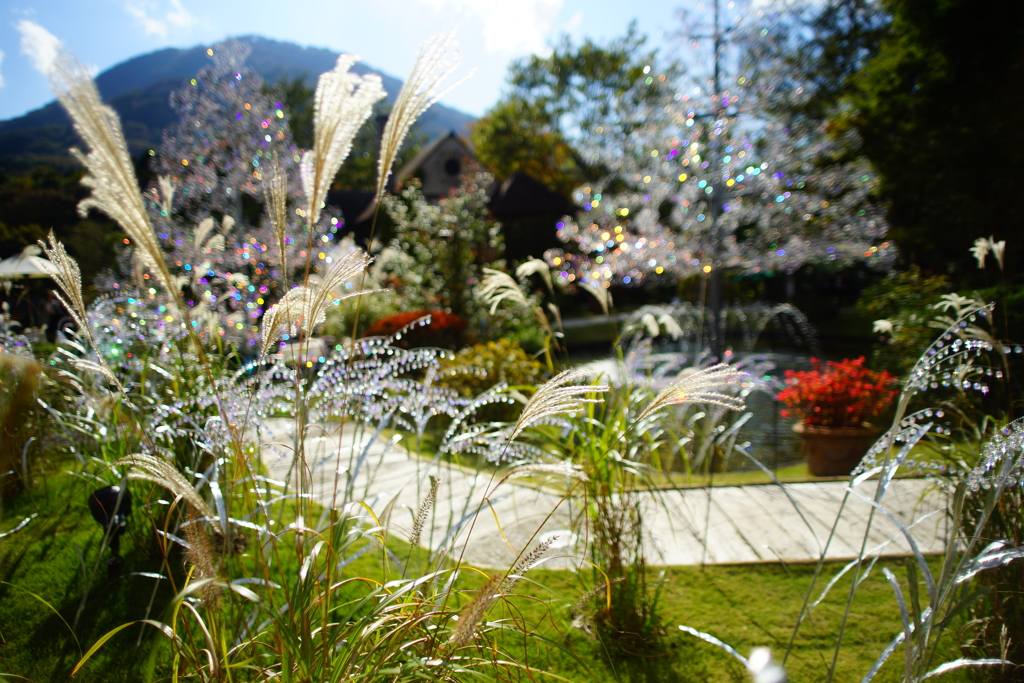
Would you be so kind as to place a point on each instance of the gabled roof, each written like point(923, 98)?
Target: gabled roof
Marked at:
point(451, 138)
point(523, 195)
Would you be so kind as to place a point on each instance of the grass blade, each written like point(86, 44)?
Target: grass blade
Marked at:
point(163, 628)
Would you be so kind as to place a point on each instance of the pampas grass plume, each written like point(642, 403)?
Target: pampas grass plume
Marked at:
point(437, 59)
point(498, 286)
point(111, 176)
point(275, 192)
point(69, 279)
point(700, 387)
point(163, 473)
point(307, 306)
point(558, 396)
point(342, 103)
point(535, 266)
point(601, 293)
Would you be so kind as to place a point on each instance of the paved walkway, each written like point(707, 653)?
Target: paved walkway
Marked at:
point(722, 525)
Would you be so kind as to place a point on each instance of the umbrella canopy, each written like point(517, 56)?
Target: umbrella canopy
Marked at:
point(26, 264)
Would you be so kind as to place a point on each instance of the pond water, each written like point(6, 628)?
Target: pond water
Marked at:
point(772, 439)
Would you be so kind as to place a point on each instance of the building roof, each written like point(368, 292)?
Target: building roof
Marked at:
point(441, 163)
point(522, 195)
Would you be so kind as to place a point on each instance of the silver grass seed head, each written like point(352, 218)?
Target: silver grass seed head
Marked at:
point(998, 250)
point(202, 556)
point(307, 306)
point(165, 193)
point(159, 471)
point(438, 57)
point(601, 294)
point(282, 316)
point(497, 286)
point(275, 192)
point(702, 386)
point(342, 103)
point(536, 266)
point(980, 250)
point(100, 369)
point(559, 396)
point(69, 279)
point(111, 175)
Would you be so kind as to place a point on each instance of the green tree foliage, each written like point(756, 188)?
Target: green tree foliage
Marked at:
point(518, 135)
point(938, 109)
point(907, 301)
point(297, 97)
point(846, 33)
point(817, 49)
point(557, 106)
point(43, 199)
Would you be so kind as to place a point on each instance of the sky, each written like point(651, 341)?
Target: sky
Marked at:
point(385, 33)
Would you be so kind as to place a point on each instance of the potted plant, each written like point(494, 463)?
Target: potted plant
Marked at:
point(833, 403)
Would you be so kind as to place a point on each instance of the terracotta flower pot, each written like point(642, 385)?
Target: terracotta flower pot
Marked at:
point(835, 451)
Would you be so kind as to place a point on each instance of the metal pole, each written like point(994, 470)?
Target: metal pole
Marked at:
point(717, 329)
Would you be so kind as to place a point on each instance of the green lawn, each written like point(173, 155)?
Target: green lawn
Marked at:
point(746, 606)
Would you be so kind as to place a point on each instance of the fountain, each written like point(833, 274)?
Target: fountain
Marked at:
point(685, 328)
point(660, 341)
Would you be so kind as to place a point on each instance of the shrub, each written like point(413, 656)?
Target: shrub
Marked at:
point(842, 394)
point(503, 360)
point(442, 330)
point(906, 301)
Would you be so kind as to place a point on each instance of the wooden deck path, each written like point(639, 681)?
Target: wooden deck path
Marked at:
point(721, 525)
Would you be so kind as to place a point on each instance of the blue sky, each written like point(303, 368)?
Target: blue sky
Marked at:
point(385, 33)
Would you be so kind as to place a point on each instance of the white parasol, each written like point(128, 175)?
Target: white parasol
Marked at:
point(26, 265)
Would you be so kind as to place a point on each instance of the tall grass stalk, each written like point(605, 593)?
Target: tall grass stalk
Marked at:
point(930, 613)
point(269, 591)
point(618, 444)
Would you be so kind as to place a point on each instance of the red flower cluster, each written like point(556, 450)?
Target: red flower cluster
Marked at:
point(445, 329)
point(843, 394)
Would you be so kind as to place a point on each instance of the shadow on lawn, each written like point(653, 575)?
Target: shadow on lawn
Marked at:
point(42, 568)
point(671, 659)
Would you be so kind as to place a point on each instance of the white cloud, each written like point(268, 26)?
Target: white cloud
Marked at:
point(574, 22)
point(158, 18)
point(1, 64)
point(38, 44)
point(509, 26)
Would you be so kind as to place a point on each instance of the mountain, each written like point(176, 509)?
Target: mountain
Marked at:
point(139, 90)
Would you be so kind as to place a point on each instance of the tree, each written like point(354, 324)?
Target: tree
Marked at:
point(782, 201)
point(810, 53)
point(297, 97)
point(518, 135)
point(558, 106)
point(844, 35)
point(712, 182)
point(939, 112)
point(214, 168)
